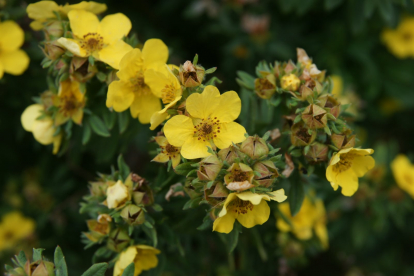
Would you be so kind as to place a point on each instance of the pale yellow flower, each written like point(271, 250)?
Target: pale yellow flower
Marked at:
point(403, 171)
point(13, 228)
point(102, 40)
point(143, 256)
point(12, 60)
point(117, 195)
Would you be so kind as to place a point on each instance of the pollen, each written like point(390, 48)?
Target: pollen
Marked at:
point(241, 206)
point(167, 94)
point(138, 83)
point(206, 129)
point(169, 150)
point(345, 163)
point(92, 42)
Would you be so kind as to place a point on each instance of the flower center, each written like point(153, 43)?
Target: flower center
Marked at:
point(241, 206)
point(345, 163)
point(92, 42)
point(167, 94)
point(8, 235)
point(207, 129)
point(170, 150)
point(303, 135)
point(238, 175)
point(138, 83)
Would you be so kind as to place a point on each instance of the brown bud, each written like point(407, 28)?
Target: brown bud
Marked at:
point(209, 168)
point(300, 135)
point(133, 215)
point(344, 140)
point(190, 75)
point(99, 188)
point(290, 82)
point(315, 117)
point(118, 240)
point(97, 229)
point(330, 104)
point(53, 29)
point(239, 178)
point(44, 269)
point(255, 147)
point(81, 69)
point(268, 173)
point(53, 50)
point(317, 153)
point(219, 191)
point(265, 87)
point(230, 154)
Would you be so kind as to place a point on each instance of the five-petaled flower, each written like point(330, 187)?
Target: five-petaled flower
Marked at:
point(210, 123)
point(346, 166)
point(168, 152)
point(13, 228)
point(70, 101)
point(12, 60)
point(248, 208)
point(132, 90)
point(102, 40)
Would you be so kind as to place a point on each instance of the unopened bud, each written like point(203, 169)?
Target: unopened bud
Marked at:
point(300, 135)
point(315, 116)
point(209, 168)
point(255, 147)
point(190, 75)
point(290, 82)
point(133, 215)
point(53, 50)
point(118, 240)
point(43, 269)
point(317, 153)
point(344, 140)
point(230, 154)
point(53, 29)
point(268, 173)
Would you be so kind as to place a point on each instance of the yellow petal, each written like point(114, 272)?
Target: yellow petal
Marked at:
point(348, 182)
point(176, 159)
point(161, 158)
point(72, 46)
point(157, 118)
point(146, 261)
point(178, 130)
point(144, 105)
point(120, 96)
point(229, 107)
point(12, 36)
point(15, 62)
point(255, 199)
point(278, 195)
point(229, 133)
point(224, 224)
point(1, 70)
point(130, 64)
point(83, 22)
point(303, 233)
point(90, 6)
point(57, 140)
point(330, 175)
point(161, 141)
point(156, 80)
point(78, 116)
point(362, 164)
point(203, 105)
point(229, 199)
point(43, 131)
point(125, 258)
point(114, 27)
point(29, 116)
point(113, 53)
point(60, 119)
point(42, 10)
point(36, 25)
point(116, 194)
point(154, 50)
point(194, 148)
point(258, 215)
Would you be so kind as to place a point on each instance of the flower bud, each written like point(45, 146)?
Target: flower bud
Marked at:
point(315, 117)
point(230, 154)
point(133, 215)
point(265, 87)
point(317, 153)
point(53, 29)
point(190, 189)
point(142, 193)
point(290, 82)
point(239, 178)
point(268, 173)
point(117, 195)
point(53, 50)
point(190, 75)
point(98, 229)
point(220, 191)
point(42, 269)
point(209, 168)
point(99, 188)
point(344, 140)
point(81, 69)
point(255, 147)
point(47, 99)
point(300, 136)
point(330, 104)
point(118, 240)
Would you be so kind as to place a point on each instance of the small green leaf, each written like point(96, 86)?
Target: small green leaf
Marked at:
point(123, 119)
point(157, 207)
point(91, 60)
point(123, 168)
point(184, 169)
point(98, 269)
point(129, 270)
point(21, 258)
point(195, 60)
point(37, 254)
point(296, 194)
point(194, 202)
point(86, 134)
point(60, 263)
point(211, 70)
point(98, 126)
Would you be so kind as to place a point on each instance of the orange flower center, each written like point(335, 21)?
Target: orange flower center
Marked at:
point(207, 129)
point(344, 163)
point(241, 206)
point(167, 94)
point(92, 42)
point(170, 150)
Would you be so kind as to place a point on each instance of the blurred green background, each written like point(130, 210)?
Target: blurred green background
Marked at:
point(370, 233)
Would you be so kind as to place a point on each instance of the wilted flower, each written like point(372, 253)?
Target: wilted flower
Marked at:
point(265, 87)
point(239, 177)
point(117, 195)
point(315, 117)
point(344, 140)
point(70, 101)
point(209, 168)
point(230, 154)
point(53, 50)
point(133, 215)
point(300, 135)
point(98, 228)
point(190, 75)
point(317, 153)
point(118, 240)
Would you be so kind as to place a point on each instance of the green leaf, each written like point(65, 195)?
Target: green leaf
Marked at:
point(98, 126)
point(60, 263)
point(91, 60)
point(206, 223)
point(209, 184)
point(157, 207)
point(184, 169)
point(296, 194)
point(101, 76)
point(123, 119)
point(96, 270)
point(86, 134)
point(195, 60)
point(123, 168)
point(129, 270)
point(192, 203)
point(37, 254)
point(21, 258)
point(109, 119)
point(211, 70)
point(150, 232)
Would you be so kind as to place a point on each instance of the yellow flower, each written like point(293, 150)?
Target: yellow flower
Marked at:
point(143, 256)
point(210, 125)
point(337, 85)
point(400, 41)
point(311, 216)
point(403, 172)
point(13, 228)
point(12, 60)
point(43, 129)
point(132, 90)
point(248, 208)
point(117, 195)
point(42, 11)
point(165, 85)
point(102, 40)
point(168, 152)
point(70, 101)
point(346, 166)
